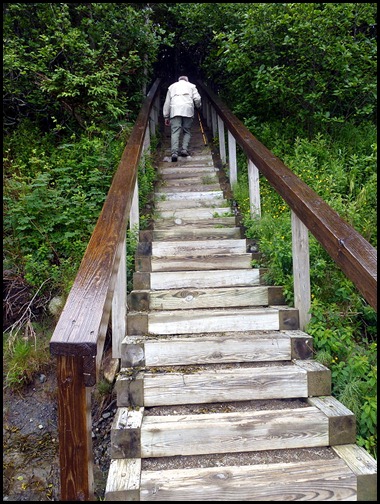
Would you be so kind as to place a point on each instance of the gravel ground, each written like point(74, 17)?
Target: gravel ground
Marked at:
point(30, 442)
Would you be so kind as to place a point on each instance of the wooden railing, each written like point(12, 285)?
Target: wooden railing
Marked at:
point(350, 251)
point(99, 289)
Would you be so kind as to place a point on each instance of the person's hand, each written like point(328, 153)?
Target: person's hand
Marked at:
point(167, 122)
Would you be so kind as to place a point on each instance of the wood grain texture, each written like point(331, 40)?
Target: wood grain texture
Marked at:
point(205, 233)
point(364, 466)
point(194, 223)
point(318, 480)
point(218, 261)
point(239, 384)
point(123, 482)
point(206, 349)
point(204, 279)
point(231, 433)
point(198, 247)
point(198, 321)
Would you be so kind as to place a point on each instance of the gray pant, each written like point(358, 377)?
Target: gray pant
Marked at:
point(178, 124)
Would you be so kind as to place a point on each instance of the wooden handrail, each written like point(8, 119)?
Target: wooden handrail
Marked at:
point(78, 338)
point(350, 251)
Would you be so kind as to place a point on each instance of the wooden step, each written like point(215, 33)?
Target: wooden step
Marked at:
point(200, 179)
point(215, 348)
point(217, 297)
point(319, 480)
point(221, 383)
point(189, 195)
point(194, 223)
point(205, 233)
point(187, 188)
point(145, 262)
point(180, 176)
point(198, 247)
point(212, 320)
point(203, 213)
point(136, 435)
point(198, 279)
point(195, 205)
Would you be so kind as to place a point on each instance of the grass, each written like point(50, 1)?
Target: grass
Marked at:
point(25, 354)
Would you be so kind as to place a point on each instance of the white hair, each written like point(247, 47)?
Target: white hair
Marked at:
point(183, 77)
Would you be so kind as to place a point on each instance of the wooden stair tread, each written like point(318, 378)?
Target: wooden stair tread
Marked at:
point(198, 247)
point(189, 195)
point(193, 223)
point(203, 279)
point(317, 480)
point(202, 298)
point(207, 348)
point(222, 383)
point(208, 233)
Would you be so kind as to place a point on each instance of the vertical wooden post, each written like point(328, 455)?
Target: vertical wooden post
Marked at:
point(214, 122)
point(134, 213)
point(208, 114)
point(119, 305)
point(222, 140)
point(301, 269)
point(254, 190)
point(232, 159)
point(74, 431)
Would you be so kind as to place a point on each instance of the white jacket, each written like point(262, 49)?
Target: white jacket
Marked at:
point(180, 100)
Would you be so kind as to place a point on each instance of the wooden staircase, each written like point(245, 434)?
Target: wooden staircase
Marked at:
point(218, 395)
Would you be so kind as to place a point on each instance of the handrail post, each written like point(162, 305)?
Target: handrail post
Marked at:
point(119, 304)
point(74, 431)
point(214, 122)
point(254, 190)
point(301, 270)
point(222, 140)
point(232, 159)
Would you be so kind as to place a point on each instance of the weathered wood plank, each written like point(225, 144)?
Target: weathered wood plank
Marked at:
point(201, 263)
point(192, 211)
point(319, 377)
point(196, 195)
point(217, 297)
point(365, 468)
point(123, 482)
point(205, 349)
point(206, 233)
point(187, 188)
point(231, 433)
point(125, 433)
point(220, 385)
point(204, 279)
point(317, 480)
point(198, 247)
point(199, 321)
point(195, 223)
point(341, 420)
point(163, 205)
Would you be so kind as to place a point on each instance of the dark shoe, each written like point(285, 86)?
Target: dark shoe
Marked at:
point(174, 158)
point(184, 153)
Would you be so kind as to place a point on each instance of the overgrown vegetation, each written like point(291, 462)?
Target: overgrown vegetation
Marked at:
point(301, 76)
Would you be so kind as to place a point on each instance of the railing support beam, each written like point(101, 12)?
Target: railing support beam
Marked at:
point(74, 431)
point(301, 270)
